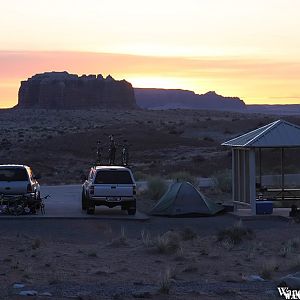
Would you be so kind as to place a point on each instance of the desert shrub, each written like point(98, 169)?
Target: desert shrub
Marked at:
point(198, 158)
point(138, 175)
point(223, 180)
point(227, 131)
point(36, 244)
point(165, 282)
point(167, 243)
point(180, 255)
point(92, 254)
point(188, 234)
point(146, 239)
point(235, 234)
point(290, 246)
point(208, 139)
point(121, 240)
point(268, 268)
point(294, 243)
point(183, 176)
point(295, 262)
point(190, 269)
point(176, 131)
point(228, 244)
point(156, 187)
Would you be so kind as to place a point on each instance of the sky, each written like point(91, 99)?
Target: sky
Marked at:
point(248, 49)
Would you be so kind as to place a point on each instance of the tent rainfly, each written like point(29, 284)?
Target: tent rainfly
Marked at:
point(182, 198)
point(279, 134)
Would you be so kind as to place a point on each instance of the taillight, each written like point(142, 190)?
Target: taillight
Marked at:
point(134, 189)
point(92, 190)
point(29, 188)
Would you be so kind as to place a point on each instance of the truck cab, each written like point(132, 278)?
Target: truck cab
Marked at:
point(109, 186)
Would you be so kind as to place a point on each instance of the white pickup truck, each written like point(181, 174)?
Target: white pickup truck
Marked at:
point(110, 186)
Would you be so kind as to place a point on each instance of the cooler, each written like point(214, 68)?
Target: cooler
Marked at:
point(264, 207)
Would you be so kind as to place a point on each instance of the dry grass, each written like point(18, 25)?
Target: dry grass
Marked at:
point(92, 254)
point(121, 240)
point(36, 244)
point(167, 243)
point(268, 268)
point(156, 187)
point(180, 254)
point(223, 180)
point(289, 247)
point(235, 234)
point(295, 262)
point(165, 282)
point(188, 234)
point(146, 239)
point(183, 176)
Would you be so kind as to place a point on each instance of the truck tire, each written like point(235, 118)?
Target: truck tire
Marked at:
point(83, 201)
point(90, 208)
point(131, 211)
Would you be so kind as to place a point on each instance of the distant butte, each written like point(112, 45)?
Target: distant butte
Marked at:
point(61, 90)
point(151, 98)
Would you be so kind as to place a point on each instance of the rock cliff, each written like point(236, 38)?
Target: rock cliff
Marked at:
point(61, 90)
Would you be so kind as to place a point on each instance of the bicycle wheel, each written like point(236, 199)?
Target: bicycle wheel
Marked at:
point(16, 209)
point(42, 208)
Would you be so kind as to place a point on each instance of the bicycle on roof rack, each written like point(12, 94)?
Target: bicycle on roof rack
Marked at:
point(17, 205)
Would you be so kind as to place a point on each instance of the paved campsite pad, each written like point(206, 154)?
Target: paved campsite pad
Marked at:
point(65, 202)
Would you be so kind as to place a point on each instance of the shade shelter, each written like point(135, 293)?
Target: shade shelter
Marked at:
point(279, 134)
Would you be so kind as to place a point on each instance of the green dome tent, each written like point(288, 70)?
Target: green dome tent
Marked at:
point(182, 198)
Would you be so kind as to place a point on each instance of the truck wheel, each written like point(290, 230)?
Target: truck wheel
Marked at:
point(131, 211)
point(90, 210)
point(83, 201)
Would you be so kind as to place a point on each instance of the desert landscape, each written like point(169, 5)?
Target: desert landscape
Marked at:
point(61, 145)
point(149, 150)
point(161, 258)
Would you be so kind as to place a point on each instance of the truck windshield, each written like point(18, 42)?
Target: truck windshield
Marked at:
point(11, 174)
point(113, 177)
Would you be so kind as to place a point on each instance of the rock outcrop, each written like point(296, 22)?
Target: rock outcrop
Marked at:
point(150, 98)
point(61, 90)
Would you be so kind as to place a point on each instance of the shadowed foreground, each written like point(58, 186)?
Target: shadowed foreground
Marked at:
point(187, 259)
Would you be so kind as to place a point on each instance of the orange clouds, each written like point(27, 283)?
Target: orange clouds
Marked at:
point(255, 80)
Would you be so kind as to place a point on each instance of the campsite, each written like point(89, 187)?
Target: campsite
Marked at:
point(184, 243)
point(149, 150)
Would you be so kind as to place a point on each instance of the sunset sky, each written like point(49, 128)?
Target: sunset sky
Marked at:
point(249, 49)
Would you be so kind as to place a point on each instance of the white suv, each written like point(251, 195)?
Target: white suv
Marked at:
point(110, 186)
point(18, 180)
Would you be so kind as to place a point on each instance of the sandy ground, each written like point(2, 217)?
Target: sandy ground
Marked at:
point(115, 259)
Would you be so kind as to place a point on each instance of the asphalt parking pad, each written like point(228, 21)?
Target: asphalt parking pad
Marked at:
point(65, 202)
